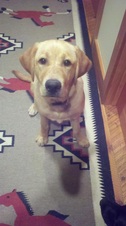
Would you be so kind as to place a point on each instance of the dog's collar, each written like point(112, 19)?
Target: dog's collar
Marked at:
point(59, 103)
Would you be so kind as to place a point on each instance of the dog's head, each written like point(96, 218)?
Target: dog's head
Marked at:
point(57, 65)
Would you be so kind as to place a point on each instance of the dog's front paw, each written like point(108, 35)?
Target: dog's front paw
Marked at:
point(83, 142)
point(32, 110)
point(41, 141)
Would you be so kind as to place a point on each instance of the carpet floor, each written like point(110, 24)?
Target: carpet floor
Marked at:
point(60, 183)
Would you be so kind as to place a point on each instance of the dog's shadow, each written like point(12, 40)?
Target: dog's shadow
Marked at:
point(70, 177)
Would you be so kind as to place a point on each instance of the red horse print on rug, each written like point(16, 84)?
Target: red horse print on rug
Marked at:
point(35, 16)
point(12, 85)
point(25, 213)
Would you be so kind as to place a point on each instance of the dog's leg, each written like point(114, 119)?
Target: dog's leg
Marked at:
point(42, 138)
point(32, 110)
point(79, 134)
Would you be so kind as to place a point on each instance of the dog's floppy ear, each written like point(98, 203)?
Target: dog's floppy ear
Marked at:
point(27, 59)
point(83, 63)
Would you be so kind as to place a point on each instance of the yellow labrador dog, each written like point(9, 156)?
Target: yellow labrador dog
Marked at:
point(55, 67)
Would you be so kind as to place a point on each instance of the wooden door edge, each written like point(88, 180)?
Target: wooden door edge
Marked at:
point(113, 164)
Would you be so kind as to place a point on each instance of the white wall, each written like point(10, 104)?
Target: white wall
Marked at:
point(110, 24)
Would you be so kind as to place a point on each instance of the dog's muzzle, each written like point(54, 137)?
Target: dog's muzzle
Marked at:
point(53, 87)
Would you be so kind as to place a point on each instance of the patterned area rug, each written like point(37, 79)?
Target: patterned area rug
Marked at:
point(61, 183)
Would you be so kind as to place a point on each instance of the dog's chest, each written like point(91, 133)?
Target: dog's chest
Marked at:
point(62, 116)
point(58, 116)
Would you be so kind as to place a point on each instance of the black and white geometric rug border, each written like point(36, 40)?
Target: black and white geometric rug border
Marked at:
point(98, 154)
point(98, 126)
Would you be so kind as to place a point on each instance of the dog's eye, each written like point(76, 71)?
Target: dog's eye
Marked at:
point(43, 61)
point(67, 63)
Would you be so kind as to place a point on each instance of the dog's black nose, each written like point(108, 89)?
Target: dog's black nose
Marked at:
point(53, 85)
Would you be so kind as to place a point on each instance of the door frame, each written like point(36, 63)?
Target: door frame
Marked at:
point(112, 82)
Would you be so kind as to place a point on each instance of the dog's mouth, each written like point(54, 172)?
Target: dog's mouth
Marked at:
point(60, 103)
point(55, 94)
point(57, 101)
